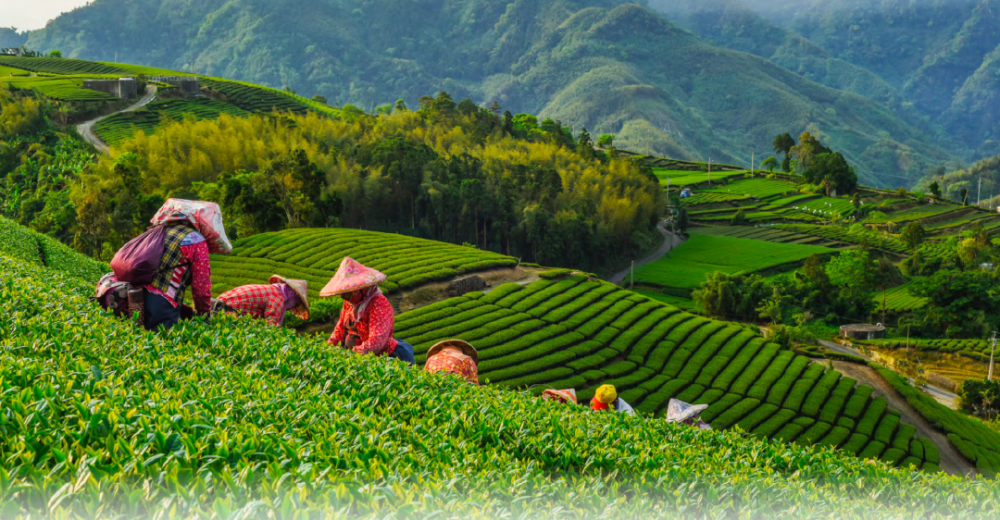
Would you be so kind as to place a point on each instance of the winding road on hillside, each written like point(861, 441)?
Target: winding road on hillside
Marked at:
point(86, 129)
point(670, 241)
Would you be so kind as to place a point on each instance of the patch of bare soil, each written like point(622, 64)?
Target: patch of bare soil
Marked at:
point(951, 460)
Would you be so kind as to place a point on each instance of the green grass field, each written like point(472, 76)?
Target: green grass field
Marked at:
point(314, 255)
point(916, 213)
point(231, 418)
point(687, 266)
point(757, 188)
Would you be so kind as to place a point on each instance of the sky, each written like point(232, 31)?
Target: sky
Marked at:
point(33, 14)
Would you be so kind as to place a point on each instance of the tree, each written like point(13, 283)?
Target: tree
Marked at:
point(728, 296)
point(401, 105)
point(935, 189)
point(606, 141)
point(467, 107)
point(585, 145)
point(56, 53)
point(319, 99)
point(770, 164)
point(965, 196)
point(495, 108)
point(831, 171)
point(289, 90)
point(962, 303)
point(913, 235)
point(783, 144)
point(773, 307)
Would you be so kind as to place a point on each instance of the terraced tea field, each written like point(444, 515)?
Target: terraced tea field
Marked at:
point(314, 255)
point(923, 212)
point(767, 233)
point(842, 234)
point(574, 333)
point(757, 188)
point(977, 349)
point(61, 66)
point(123, 125)
point(681, 178)
point(62, 88)
point(688, 265)
point(899, 299)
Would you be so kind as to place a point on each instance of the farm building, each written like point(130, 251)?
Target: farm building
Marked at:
point(187, 84)
point(862, 331)
point(122, 88)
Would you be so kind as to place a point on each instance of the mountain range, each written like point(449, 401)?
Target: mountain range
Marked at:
point(671, 77)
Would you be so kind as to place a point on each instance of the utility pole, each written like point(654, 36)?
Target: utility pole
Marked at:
point(709, 170)
point(752, 163)
point(994, 349)
point(979, 193)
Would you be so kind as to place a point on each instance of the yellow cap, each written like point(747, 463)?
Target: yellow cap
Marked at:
point(607, 394)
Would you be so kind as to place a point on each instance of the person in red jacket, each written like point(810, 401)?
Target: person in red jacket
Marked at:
point(269, 302)
point(366, 320)
point(454, 356)
point(193, 229)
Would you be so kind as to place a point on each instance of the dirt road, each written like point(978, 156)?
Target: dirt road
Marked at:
point(86, 129)
point(951, 460)
point(669, 242)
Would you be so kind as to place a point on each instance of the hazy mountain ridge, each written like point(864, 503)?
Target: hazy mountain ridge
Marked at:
point(604, 64)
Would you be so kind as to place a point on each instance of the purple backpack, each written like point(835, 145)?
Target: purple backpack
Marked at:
point(138, 261)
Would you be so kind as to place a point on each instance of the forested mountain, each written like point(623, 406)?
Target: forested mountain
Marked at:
point(601, 64)
point(9, 37)
point(943, 56)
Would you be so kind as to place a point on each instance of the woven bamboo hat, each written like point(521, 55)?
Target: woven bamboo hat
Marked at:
point(301, 288)
point(351, 276)
point(466, 348)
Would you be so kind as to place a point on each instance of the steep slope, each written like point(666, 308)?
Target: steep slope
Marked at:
point(731, 24)
point(233, 418)
point(940, 53)
point(595, 63)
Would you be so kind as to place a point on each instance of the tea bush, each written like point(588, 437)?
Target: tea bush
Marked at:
point(232, 418)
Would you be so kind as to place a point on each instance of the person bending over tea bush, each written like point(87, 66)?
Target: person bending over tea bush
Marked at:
point(366, 320)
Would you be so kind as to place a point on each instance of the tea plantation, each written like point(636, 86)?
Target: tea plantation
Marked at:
point(314, 255)
point(686, 267)
point(62, 79)
point(574, 333)
point(235, 419)
point(123, 125)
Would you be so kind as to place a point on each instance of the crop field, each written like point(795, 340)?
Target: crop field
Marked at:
point(965, 221)
point(938, 250)
point(976, 441)
point(30, 247)
point(681, 178)
point(842, 234)
point(62, 66)
point(687, 266)
point(314, 255)
point(899, 299)
point(575, 333)
point(254, 98)
point(757, 188)
point(231, 418)
point(977, 349)
point(711, 197)
point(917, 213)
point(123, 125)
point(63, 88)
point(767, 233)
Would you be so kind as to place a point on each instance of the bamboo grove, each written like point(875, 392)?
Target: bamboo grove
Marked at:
point(451, 172)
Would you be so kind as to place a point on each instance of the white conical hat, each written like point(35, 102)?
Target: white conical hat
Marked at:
point(679, 411)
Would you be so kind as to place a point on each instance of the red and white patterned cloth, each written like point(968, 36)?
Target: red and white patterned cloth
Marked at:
point(465, 368)
point(201, 274)
point(259, 301)
point(374, 328)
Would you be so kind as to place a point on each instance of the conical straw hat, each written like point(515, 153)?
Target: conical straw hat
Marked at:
point(679, 411)
point(301, 288)
point(351, 276)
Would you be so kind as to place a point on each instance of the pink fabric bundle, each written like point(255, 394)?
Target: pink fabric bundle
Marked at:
point(206, 217)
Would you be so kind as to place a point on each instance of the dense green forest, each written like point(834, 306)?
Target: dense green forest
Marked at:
point(607, 65)
point(449, 171)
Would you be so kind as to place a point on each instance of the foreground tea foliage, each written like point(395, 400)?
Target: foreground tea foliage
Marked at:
point(232, 419)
